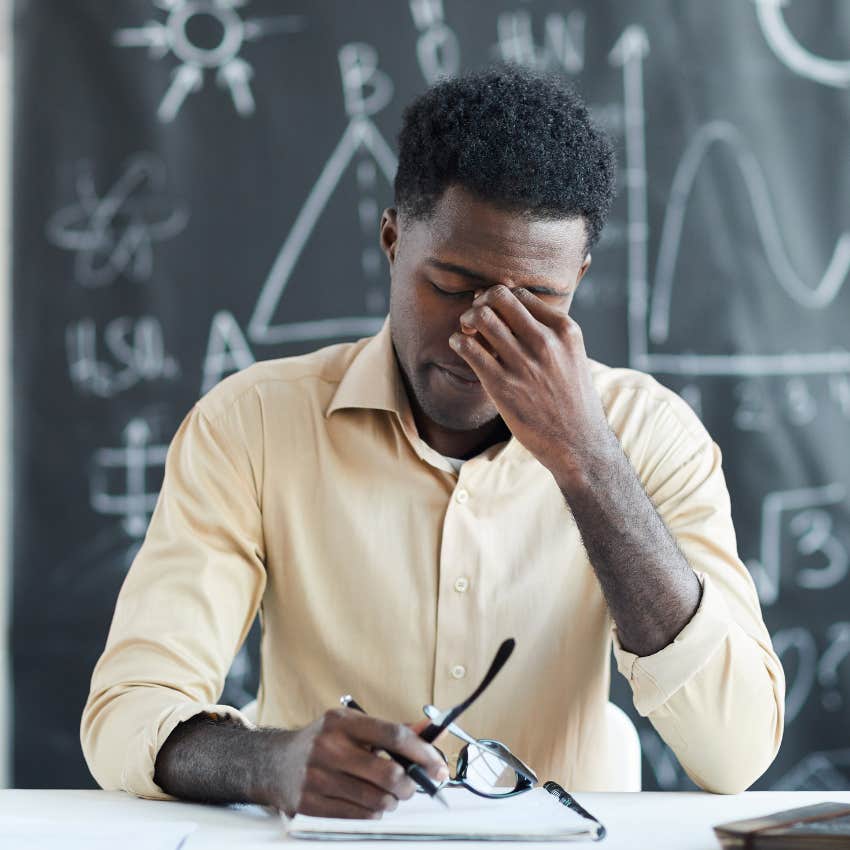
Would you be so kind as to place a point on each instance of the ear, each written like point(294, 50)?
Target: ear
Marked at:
point(389, 234)
point(584, 267)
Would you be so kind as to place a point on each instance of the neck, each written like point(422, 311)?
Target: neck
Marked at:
point(458, 444)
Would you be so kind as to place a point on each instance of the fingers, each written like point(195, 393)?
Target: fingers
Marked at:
point(540, 310)
point(510, 308)
point(331, 783)
point(343, 777)
point(423, 724)
point(392, 737)
point(383, 773)
point(528, 316)
point(480, 360)
point(320, 806)
point(499, 338)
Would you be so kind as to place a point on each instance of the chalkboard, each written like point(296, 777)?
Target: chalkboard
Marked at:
point(198, 184)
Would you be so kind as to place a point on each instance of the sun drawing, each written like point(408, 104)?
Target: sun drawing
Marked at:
point(205, 35)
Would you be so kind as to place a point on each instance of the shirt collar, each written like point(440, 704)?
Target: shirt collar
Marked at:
point(373, 381)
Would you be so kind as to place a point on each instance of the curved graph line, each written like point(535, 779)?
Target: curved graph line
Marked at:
point(718, 132)
point(791, 53)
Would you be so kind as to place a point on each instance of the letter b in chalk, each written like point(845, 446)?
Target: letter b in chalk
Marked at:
point(367, 90)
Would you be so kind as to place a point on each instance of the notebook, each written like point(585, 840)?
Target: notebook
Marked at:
point(825, 825)
point(533, 816)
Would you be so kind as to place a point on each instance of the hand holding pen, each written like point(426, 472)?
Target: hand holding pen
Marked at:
point(413, 770)
point(332, 768)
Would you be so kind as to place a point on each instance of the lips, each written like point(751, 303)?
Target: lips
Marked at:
point(467, 376)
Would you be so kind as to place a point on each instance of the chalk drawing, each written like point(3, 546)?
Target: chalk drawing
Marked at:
point(836, 653)
point(437, 48)
point(798, 653)
point(135, 502)
point(563, 41)
point(803, 513)
point(113, 234)
point(628, 53)
point(802, 407)
point(817, 296)
point(366, 91)
point(692, 394)
point(791, 53)
point(754, 411)
point(227, 350)
point(176, 36)
point(839, 390)
point(823, 771)
point(136, 350)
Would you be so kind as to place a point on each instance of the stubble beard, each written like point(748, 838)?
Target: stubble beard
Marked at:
point(456, 417)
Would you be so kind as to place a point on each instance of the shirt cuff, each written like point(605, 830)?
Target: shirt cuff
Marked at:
point(655, 678)
point(137, 776)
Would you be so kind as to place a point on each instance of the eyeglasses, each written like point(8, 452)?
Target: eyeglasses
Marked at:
point(484, 766)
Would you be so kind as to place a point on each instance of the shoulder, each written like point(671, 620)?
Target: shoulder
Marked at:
point(306, 381)
point(633, 398)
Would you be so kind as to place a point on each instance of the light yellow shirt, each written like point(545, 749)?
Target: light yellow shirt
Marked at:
point(301, 487)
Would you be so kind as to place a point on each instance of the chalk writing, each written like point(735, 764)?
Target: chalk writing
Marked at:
point(563, 40)
point(437, 48)
point(803, 512)
point(136, 350)
point(227, 350)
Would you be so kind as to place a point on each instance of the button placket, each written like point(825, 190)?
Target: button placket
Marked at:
point(457, 570)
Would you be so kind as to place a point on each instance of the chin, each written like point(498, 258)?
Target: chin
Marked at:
point(457, 414)
point(461, 420)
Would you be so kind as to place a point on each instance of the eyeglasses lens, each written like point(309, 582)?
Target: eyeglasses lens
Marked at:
point(487, 773)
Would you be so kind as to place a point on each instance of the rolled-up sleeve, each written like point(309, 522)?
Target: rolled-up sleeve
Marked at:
point(186, 604)
point(716, 693)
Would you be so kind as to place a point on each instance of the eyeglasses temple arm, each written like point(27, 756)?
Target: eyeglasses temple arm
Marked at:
point(432, 731)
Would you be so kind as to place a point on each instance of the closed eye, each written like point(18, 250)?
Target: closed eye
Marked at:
point(446, 294)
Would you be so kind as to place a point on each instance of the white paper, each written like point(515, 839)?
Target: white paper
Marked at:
point(535, 815)
point(45, 834)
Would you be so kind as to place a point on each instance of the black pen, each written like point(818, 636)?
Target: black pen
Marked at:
point(413, 770)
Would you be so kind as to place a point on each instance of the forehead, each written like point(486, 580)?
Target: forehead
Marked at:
point(466, 230)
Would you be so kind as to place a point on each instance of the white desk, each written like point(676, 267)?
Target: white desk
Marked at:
point(645, 821)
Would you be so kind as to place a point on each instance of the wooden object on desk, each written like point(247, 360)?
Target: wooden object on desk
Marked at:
point(824, 825)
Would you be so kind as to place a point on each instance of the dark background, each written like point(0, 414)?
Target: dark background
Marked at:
point(171, 225)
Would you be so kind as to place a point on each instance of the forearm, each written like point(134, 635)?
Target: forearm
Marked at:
point(650, 588)
point(217, 761)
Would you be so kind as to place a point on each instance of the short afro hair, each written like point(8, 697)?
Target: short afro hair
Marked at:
point(519, 139)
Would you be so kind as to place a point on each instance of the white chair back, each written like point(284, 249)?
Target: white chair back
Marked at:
point(623, 749)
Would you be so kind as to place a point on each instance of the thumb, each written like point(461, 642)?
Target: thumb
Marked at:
point(420, 727)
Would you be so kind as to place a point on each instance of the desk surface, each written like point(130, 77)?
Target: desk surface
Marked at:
point(642, 821)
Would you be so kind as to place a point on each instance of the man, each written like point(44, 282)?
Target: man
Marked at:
point(397, 506)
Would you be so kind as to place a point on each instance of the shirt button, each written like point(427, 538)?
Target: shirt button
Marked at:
point(461, 584)
point(461, 497)
point(458, 671)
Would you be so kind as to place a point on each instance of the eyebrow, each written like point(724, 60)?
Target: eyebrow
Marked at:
point(454, 268)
